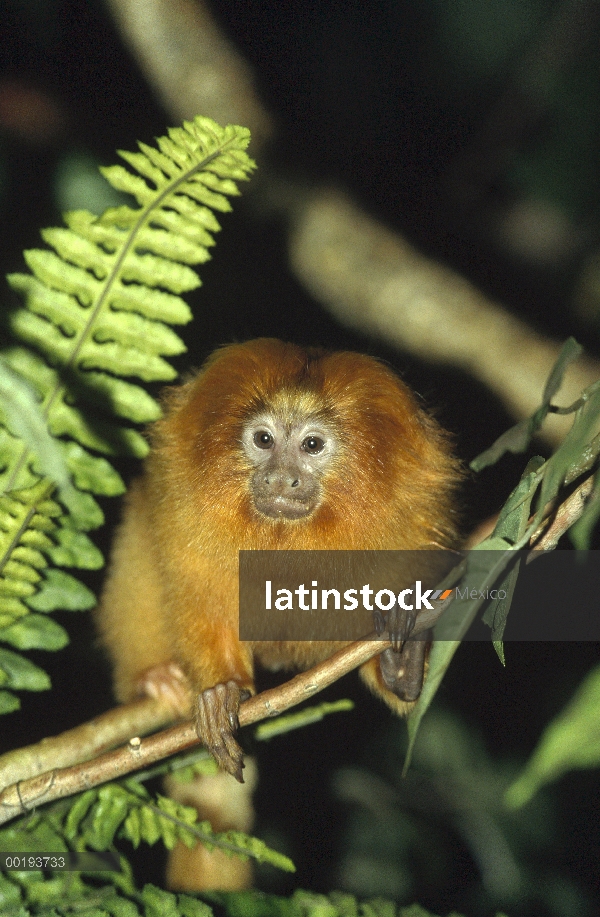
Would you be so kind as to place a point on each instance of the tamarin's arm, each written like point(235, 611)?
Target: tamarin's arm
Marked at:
point(218, 665)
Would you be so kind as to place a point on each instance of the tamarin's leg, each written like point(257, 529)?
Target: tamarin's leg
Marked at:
point(402, 666)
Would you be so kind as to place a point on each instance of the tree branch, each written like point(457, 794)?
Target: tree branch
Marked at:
point(26, 794)
point(371, 279)
point(190, 64)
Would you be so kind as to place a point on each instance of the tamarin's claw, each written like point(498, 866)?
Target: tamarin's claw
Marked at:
point(217, 721)
point(400, 624)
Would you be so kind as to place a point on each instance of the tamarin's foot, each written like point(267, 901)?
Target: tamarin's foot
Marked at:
point(167, 682)
point(217, 721)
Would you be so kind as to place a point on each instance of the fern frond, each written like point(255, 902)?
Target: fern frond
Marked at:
point(97, 306)
point(126, 810)
point(26, 518)
point(97, 312)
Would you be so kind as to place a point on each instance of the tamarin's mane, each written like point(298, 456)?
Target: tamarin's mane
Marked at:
point(394, 485)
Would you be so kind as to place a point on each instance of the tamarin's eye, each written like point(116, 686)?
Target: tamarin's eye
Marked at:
point(263, 439)
point(313, 445)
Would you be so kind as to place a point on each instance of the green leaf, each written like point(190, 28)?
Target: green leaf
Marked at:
point(61, 591)
point(108, 814)
point(257, 849)
point(159, 903)
point(26, 518)
point(306, 717)
point(21, 414)
point(74, 549)
point(478, 571)
point(511, 526)
point(585, 426)
point(9, 703)
point(20, 674)
point(90, 472)
point(513, 517)
point(11, 898)
point(77, 813)
point(572, 740)
point(517, 438)
point(35, 632)
point(193, 907)
point(150, 827)
point(132, 828)
point(496, 613)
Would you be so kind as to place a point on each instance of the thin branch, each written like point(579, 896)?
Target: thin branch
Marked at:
point(565, 516)
point(58, 783)
point(85, 741)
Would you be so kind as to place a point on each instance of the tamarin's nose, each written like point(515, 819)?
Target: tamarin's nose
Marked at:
point(281, 480)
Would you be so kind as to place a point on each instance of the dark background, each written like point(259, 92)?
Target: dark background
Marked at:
point(425, 113)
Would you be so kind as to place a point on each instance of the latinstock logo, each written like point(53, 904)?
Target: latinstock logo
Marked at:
point(336, 595)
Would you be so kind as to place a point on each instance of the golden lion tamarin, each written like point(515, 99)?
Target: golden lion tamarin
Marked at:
point(269, 446)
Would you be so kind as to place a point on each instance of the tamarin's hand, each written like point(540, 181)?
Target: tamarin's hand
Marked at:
point(217, 721)
point(270, 446)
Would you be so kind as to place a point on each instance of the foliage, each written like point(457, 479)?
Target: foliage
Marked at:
point(518, 437)
point(23, 895)
point(96, 314)
point(453, 796)
point(495, 561)
point(126, 810)
point(94, 821)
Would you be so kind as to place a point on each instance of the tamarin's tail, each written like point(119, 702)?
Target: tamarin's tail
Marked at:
point(227, 805)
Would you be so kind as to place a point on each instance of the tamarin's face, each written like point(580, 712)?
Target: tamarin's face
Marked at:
point(288, 460)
